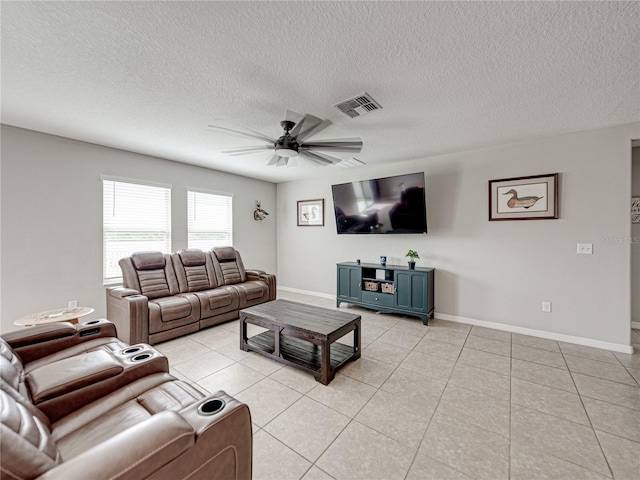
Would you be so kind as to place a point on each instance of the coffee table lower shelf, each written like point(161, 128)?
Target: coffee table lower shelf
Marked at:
point(300, 353)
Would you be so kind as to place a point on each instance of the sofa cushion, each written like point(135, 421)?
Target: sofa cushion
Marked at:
point(170, 312)
point(228, 266)
point(124, 408)
point(108, 344)
point(192, 257)
point(218, 301)
point(70, 374)
point(150, 273)
point(148, 260)
point(194, 270)
point(153, 283)
point(7, 352)
point(252, 293)
point(28, 449)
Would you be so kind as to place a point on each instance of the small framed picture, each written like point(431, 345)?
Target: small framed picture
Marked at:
point(524, 198)
point(311, 213)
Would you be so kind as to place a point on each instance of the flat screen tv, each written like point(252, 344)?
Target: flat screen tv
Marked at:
point(382, 205)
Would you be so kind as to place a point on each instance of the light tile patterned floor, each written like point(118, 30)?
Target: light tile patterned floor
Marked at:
point(446, 401)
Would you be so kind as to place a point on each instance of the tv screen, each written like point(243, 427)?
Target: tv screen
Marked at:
point(382, 205)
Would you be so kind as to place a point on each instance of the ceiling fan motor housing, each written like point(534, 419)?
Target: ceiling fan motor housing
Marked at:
point(286, 145)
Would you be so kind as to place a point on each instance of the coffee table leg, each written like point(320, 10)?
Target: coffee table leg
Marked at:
point(243, 333)
point(326, 363)
point(357, 341)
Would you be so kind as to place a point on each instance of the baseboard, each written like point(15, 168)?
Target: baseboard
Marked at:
point(307, 292)
point(588, 342)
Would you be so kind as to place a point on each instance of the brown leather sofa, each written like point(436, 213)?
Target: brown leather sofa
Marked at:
point(154, 426)
point(168, 295)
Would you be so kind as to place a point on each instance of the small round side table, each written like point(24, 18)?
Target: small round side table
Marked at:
point(52, 316)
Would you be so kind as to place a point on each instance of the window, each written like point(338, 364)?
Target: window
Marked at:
point(210, 220)
point(135, 217)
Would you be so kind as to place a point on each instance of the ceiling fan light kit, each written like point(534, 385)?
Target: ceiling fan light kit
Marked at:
point(292, 143)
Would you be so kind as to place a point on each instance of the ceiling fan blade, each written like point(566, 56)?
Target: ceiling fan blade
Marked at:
point(317, 159)
point(247, 150)
point(312, 128)
point(350, 145)
point(308, 122)
point(292, 116)
point(249, 133)
point(274, 159)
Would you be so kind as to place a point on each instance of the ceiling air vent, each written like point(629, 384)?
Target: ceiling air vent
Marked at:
point(358, 105)
point(350, 163)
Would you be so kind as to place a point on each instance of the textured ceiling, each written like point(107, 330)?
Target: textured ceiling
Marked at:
point(149, 76)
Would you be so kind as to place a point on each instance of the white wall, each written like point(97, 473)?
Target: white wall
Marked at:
point(635, 241)
point(495, 271)
point(52, 217)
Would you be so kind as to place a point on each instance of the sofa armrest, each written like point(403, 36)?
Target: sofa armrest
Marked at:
point(129, 311)
point(40, 341)
point(137, 452)
point(268, 278)
point(120, 292)
point(39, 333)
point(225, 437)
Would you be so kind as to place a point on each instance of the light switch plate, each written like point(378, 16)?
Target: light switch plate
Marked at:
point(585, 248)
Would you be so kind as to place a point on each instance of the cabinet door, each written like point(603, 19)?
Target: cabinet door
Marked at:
point(349, 282)
point(411, 290)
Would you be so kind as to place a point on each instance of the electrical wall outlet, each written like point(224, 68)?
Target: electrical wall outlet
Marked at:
point(546, 307)
point(585, 248)
point(73, 303)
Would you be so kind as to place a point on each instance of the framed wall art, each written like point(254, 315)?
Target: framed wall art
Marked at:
point(311, 213)
point(524, 198)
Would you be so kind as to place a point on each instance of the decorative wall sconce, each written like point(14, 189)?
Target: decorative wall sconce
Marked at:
point(258, 213)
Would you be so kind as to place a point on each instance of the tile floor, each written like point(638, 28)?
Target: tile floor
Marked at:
point(447, 401)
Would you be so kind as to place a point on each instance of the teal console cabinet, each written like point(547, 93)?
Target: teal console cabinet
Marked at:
point(349, 284)
point(389, 288)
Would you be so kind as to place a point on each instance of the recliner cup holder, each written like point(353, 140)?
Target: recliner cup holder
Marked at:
point(142, 356)
point(92, 322)
point(130, 350)
point(211, 407)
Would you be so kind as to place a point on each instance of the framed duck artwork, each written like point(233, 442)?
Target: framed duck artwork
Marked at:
point(524, 198)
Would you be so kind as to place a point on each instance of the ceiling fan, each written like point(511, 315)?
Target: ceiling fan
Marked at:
point(293, 142)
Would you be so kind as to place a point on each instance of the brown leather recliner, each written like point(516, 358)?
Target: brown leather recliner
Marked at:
point(168, 295)
point(153, 427)
point(61, 367)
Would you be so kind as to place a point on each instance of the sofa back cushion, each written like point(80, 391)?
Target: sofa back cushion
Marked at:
point(194, 270)
point(27, 449)
point(150, 273)
point(7, 352)
point(228, 266)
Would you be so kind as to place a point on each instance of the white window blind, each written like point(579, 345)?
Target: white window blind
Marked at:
point(135, 217)
point(210, 220)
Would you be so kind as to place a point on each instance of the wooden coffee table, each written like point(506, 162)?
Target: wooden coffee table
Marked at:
point(302, 336)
